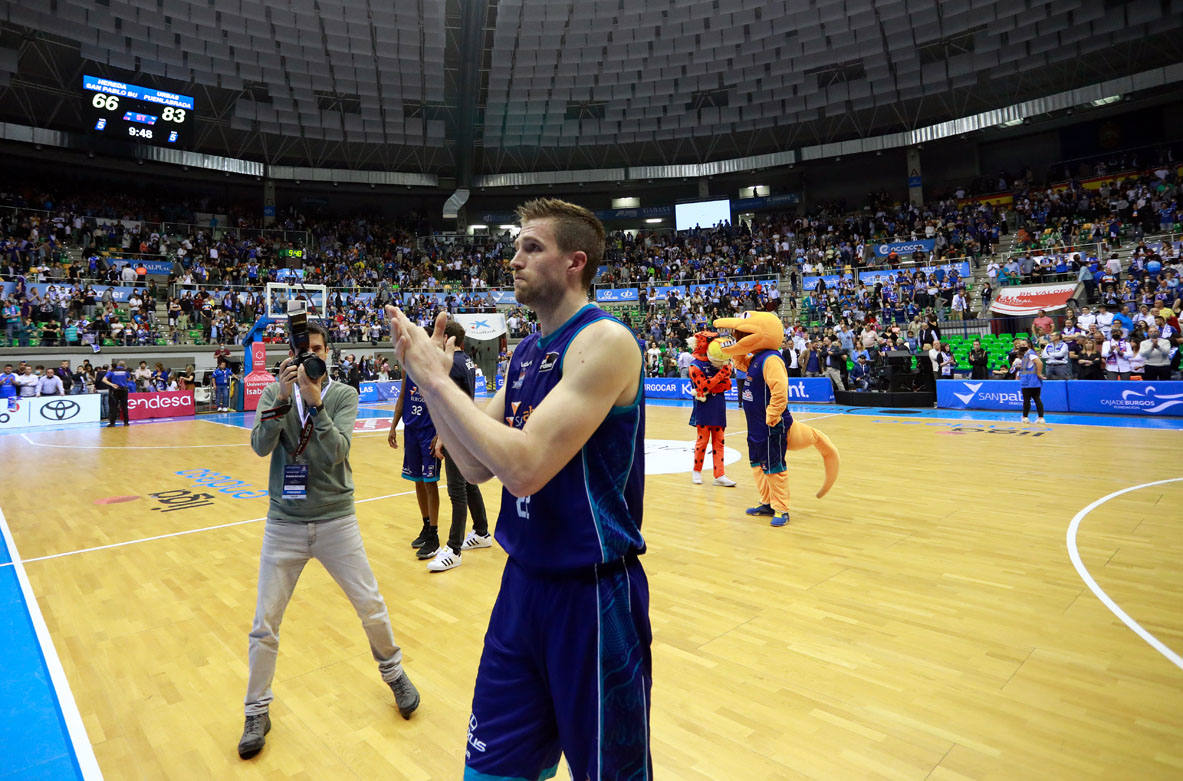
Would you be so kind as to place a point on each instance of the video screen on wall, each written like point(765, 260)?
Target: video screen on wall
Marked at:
point(702, 214)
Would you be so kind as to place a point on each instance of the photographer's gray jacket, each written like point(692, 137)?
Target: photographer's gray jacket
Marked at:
point(330, 478)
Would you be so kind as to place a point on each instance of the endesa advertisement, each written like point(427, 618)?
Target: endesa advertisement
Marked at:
point(162, 404)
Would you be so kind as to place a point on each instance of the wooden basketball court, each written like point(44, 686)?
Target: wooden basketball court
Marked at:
point(924, 620)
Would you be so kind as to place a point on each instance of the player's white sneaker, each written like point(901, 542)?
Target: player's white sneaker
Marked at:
point(1025, 421)
point(1041, 421)
point(696, 478)
point(474, 540)
point(444, 559)
point(725, 481)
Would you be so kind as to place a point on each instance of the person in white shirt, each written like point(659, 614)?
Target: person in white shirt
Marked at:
point(1117, 353)
point(685, 359)
point(1156, 355)
point(1086, 320)
point(1105, 320)
point(27, 383)
point(1055, 358)
point(958, 306)
point(51, 385)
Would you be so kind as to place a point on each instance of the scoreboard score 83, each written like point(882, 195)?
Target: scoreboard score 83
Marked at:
point(129, 112)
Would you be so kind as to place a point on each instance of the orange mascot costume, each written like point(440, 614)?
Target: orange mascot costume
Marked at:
point(771, 430)
point(710, 380)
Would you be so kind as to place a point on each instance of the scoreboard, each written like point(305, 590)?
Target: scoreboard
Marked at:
point(115, 109)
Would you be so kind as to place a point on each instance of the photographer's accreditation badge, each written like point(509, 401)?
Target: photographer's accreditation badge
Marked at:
point(295, 481)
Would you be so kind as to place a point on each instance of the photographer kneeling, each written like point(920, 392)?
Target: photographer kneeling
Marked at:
point(311, 516)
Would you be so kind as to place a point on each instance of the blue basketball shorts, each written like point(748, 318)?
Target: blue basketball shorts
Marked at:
point(768, 451)
point(419, 464)
point(566, 668)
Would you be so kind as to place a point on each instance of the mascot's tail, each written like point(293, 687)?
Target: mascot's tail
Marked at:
point(802, 436)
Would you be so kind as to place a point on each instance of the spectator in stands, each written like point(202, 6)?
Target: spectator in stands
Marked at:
point(143, 377)
point(51, 385)
point(27, 383)
point(1156, 355)
point(1055, 358)
point(1042, 325)
point(1117, 353)
point(186, 380)
point(979, 361)
point(1089, 363)
point(8, 388)
point(834, 362)
point(860, 373)
point(1104, 320)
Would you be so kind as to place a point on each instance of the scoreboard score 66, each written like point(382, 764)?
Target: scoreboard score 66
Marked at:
point(133, 113)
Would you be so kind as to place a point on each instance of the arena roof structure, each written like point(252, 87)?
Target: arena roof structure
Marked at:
point(482, 89)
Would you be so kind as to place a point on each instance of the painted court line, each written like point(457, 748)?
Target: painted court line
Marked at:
point(83, 752)
point(173, 534)
point(1082, 570)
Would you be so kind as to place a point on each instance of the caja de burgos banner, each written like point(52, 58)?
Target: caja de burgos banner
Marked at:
point(162, 404)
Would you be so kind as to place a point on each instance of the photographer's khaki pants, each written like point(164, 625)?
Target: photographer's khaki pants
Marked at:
point(287, 547)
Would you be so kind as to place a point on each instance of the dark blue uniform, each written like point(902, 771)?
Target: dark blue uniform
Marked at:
point(713, 411)
point(566, 665)
point(419, 463)
point(766, 446)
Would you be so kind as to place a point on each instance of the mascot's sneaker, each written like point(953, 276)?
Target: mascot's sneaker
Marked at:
point(780, 520)
point(696, 478)
point(764, 509)
point(725, 481)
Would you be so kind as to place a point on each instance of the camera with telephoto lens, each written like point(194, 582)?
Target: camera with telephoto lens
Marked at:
point(298, 336)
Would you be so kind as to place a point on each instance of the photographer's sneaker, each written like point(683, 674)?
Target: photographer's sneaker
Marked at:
point(406, 696)
point(725, 481)
point(253, 731)
point(445, 559)
point(474, 540)
point(696, 478)
point(1025, 421)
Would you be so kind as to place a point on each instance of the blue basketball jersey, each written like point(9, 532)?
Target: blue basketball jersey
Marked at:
point(713, 411)
point(590, 512)
point(1028, 376)
point(757, 395)
point(415, 415)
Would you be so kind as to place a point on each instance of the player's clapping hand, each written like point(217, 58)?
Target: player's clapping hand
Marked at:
point(419, 353)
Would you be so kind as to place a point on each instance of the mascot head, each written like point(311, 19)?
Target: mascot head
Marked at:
point(753, 331)
point(702, 340)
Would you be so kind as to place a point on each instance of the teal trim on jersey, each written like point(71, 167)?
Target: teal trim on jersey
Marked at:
point(636, 400)
point(420, 479)
point(543, 341)
point(591, 504)
point(476, 775)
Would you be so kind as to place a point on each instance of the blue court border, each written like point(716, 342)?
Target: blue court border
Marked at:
point(40, 728)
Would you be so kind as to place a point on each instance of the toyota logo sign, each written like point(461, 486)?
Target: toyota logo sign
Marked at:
point(60, 409)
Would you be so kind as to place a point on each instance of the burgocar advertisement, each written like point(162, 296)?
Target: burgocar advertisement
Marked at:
point(807, 389)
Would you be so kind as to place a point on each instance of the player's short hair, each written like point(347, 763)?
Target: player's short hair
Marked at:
point(576, 230)
point(456, 330)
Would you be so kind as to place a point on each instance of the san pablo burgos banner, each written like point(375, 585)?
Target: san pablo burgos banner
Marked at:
point(1109, 397)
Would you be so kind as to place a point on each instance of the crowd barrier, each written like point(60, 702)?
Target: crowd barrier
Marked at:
point(50, 410)
point(161, 404)
point(1090, 396)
